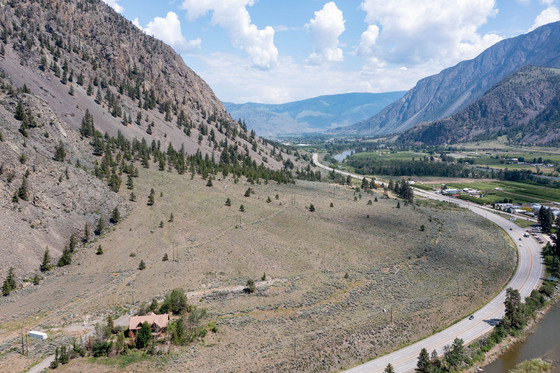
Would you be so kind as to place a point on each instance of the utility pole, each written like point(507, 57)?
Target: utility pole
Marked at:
point(391, 313)
point(457, 286)
point(132, 297)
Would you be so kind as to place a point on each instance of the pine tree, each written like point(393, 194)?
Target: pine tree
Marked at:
point(66, 258)
point(228, 202)
point(242, 208)
point(20, 112)
point(22, 192)
point(129, 182)
point(389, 369)
point(59, 152)
point(144, 336)
point(86, 233)
point(151, 198)
point(99, 250)
point(311, 208)
point(171, 218)
point(9, 283)
point(100, 226)
point(142, 265)
point(72, 244)
point(423, 365)
point(116, 215)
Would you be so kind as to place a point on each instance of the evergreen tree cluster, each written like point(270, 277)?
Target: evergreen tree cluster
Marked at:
point(545, 219)
point(403, 189)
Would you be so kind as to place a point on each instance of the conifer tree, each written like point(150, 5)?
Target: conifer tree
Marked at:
point(66, 258)
point(151, 198)
point(423, 365)
point(46, 264)
point(100, 226)
point(59, 152)
point(22, 192)
point(86, 233)
point(9, 283)
point(72, 244)
point(115, 215)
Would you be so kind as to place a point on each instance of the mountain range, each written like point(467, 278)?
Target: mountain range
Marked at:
point(317, 114)
point(525, 106)
point(442, 95)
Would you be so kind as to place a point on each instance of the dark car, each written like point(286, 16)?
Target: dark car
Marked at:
point(471, 317)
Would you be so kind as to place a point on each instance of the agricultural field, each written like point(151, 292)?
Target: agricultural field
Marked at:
point(343, 284)
point(517, 191)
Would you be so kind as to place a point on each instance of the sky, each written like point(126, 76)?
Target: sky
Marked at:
point(277, 51)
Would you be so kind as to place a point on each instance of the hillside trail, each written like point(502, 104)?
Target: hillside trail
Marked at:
point(156, 255)
point(118, 283)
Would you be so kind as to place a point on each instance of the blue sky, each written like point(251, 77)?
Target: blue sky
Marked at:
point(275, 51)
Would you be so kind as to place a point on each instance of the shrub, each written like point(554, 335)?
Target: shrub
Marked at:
point(175, 302)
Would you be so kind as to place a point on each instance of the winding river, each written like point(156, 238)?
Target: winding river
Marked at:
point(543, 342)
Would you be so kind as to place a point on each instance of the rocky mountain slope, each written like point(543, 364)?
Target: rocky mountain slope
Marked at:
point(442, 95)
point(62, 59)
point(312, 115)
point(525, 106)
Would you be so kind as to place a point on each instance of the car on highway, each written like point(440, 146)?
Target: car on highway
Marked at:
point(471, 317)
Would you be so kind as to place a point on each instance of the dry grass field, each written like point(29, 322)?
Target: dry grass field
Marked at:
point(309, 316)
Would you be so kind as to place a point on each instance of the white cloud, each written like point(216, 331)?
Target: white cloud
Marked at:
point(168, 30)
point(233, 16)
point(115, 5)
point(326, 27)
point(550, 14)
point(412, 32)
point(291, 80)
point(368, 40)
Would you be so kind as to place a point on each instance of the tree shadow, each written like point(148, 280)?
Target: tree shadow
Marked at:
point(492, 322)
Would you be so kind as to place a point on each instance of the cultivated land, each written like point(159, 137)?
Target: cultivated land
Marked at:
point(429, 278)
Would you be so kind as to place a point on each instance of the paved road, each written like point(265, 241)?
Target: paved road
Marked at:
point(527, 277)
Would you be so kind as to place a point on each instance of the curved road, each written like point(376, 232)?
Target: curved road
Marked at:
point(527, 277)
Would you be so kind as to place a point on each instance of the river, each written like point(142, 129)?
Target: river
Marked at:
point(543, 342)
point(342, 156)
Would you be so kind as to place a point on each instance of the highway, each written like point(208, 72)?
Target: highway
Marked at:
point(527, 277)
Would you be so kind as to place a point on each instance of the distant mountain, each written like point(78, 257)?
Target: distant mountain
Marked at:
point(311, 115)
point(525, 106)
point(444, 94)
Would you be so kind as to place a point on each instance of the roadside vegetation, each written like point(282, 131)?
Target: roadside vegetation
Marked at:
point(517, 314)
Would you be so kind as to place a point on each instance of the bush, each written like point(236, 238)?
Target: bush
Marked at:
point(175, 302)
point(250, 286)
